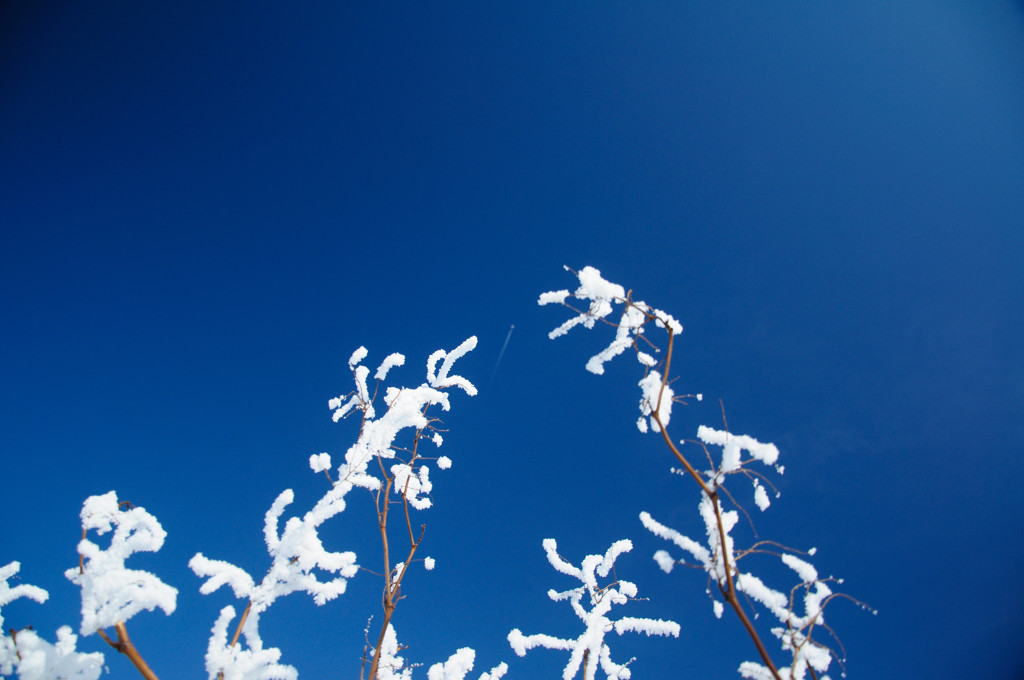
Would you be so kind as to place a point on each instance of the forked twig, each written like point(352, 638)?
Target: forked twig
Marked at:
point(124, 646)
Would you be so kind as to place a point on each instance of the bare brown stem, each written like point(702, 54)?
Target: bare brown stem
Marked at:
point(241, 623)
point(124, 646)
point(728, 590)
point(388, 601)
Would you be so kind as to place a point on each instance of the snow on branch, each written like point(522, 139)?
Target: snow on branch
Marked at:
point(40, 660)
point(33, 657)
point(601, 297)
point(233, 662)
point(112, 593)
point(9, 594)
point(733, 447)
point(455, 668)
point(296, 551)
point(392, 666)
point(442, 379)
point(719, 558)
point(716, 554)
point(295, 555)
point(590, 648)
point(406, 409)
point(795, 634)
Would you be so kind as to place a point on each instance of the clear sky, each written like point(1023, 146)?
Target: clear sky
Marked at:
point(206, 207)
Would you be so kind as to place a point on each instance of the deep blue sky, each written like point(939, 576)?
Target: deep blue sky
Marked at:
point(204, 208)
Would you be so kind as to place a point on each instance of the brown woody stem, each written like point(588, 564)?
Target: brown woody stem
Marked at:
point(124, 646)
point(729, 589)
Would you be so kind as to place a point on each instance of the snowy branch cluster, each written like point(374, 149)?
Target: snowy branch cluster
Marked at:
point(386, 460)
point(590, 648)
point(595, 300)
point(34, 657)
point(299, 562)
point(297, 552)
point(111, 593)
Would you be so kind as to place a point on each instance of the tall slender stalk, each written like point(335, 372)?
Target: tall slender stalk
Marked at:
point(393, 581)
point(728, 591)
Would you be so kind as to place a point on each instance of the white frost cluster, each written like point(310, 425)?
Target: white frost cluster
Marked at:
point(596, 622)
point(795, 632)
point(733, 447)
point(295, 554)
point(405, 409)
point(237, 663)
point(601, 297)
point(392, 667)
point(111, 592)
point(655, 398)
point(9, 594)
point(33, 657)
point(411, 483)
point(41, 660)
point(319, 462)
point(712, 557)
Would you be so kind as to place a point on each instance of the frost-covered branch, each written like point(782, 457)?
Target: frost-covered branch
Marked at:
point(590, 648)
point(393, 667)
point(379, 461)
point(112, 593)
point(717, 555)
point(399, 469)
point(32, 657)
point(297, 554)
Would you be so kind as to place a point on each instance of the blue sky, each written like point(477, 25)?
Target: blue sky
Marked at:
point(206, 208)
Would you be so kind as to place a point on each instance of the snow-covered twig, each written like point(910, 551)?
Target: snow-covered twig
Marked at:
point(718, 557)
point(297, 552)
point(392, 666)
point(111, 593)
point(590, 647)
point(32, 657)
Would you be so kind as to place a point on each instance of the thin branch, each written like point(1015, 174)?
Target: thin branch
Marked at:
point(124, 646)
point(729, 590)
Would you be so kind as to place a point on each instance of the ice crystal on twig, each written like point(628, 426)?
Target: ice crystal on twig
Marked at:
point(590, 648)
point(111, 593)
point(717, 555)
point(32, 656)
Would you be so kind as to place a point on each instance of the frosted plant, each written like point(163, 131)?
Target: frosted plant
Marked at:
point(405, 409)
point(297, 553)
point(720, 559)
point(232, 662)
point(795, 634)
point(590, 647)
point(112, 593)
point(8, 650)
point(33, 657)
point(400, 467)
point(718, 555)
point(392, 666)
point(40, 660)
point(460, 664)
